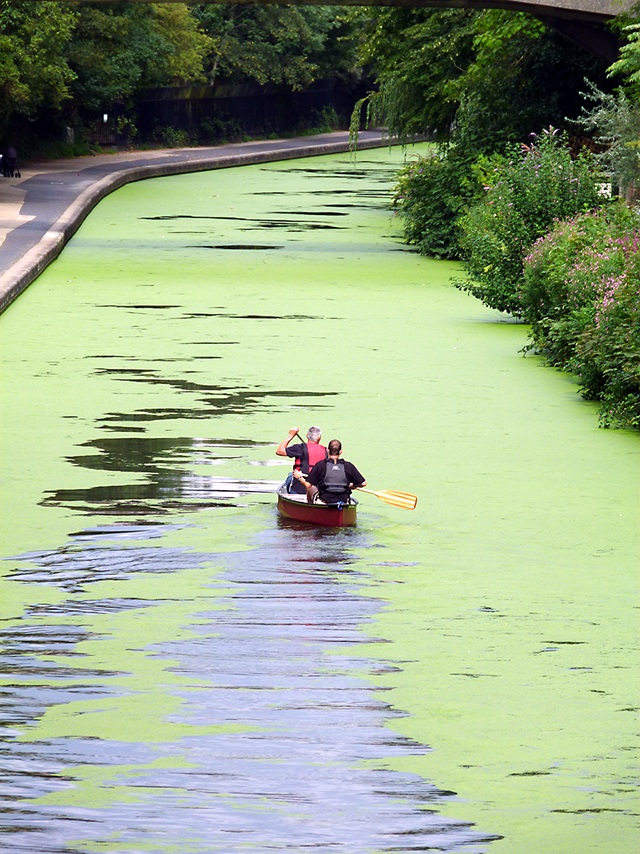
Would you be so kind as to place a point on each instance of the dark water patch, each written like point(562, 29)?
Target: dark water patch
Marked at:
point(136, 372)
point(255, 317)
point(293, 226)
point(163, 491)
point(165, 463)
point(135, 453)
point(225, 393)
point(127, 531)
point(129, 500)
point(323, 213)
point(141, 307)
point(273, 221)
point(169, 217)
point(591, 811)
point(148, 453)
point(116, 428)
point(530, 774)
point(355, 206)
point(349, 191)
point(213, 401)
point(372, 172)
point(566, 643)
point(134, 358)
point(244, 247)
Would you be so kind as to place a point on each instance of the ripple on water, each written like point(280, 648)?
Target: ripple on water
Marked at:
point(280, 741)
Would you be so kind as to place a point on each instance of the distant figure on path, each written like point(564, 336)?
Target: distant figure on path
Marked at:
point(9, 163)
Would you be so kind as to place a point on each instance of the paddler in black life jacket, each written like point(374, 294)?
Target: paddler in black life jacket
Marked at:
point(331, 480)
point(305, 455)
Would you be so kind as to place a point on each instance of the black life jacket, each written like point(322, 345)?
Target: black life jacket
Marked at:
point(335, 478)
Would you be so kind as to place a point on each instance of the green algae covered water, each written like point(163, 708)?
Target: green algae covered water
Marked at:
point(183, 672)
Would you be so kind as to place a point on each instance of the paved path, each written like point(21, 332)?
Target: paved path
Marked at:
point(40, 211)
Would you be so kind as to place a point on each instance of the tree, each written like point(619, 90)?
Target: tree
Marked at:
point(288, 45)
point(34, 71)
point(415, 57)
point(492, 76)
point(627, 67)
point(119, 48)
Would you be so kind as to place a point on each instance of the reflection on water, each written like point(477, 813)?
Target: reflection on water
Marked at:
point(260, 730)
point(165, 464)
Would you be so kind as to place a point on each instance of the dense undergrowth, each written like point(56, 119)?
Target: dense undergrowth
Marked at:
point(540, 240)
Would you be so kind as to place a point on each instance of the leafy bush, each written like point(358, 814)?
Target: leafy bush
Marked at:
point(524, 194)
point(430, 195)
point(581, 293)
point(220, 128)
point(171, 137)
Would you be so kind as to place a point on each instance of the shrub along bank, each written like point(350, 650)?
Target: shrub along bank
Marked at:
point(581, 294)
point(538, 240)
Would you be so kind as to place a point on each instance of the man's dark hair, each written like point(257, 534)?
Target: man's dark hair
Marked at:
point(335, 447)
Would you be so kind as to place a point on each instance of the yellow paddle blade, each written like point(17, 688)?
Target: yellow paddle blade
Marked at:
point(398, 499)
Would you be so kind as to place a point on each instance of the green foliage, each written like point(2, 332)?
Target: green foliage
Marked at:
point(483, 78)
point(627, 66)
point(430, 195)
point(171, 137)
point(220, 128)
point(324, 121)
point(581, 293)
point(119, 48)
point(289, 45)
point(34, 71)
point(416, 55)
point(524, 194)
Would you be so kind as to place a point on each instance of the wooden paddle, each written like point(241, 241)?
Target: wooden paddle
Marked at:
point(398, 499)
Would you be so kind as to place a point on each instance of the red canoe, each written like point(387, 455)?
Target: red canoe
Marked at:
point(294, 506)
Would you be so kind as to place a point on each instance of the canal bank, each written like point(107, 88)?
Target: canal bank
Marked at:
point(44, 208)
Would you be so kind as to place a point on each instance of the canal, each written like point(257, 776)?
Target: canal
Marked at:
point(182, 671)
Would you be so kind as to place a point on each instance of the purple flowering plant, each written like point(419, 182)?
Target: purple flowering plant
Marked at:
point(581, 294)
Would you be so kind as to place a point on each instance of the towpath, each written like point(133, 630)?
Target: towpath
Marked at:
point(41, 210)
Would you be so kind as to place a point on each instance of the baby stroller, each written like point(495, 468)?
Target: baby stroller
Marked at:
point(9, 164)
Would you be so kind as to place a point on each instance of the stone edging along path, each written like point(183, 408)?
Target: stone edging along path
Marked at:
point(41, 211)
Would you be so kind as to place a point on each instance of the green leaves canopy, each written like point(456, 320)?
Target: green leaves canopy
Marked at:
point(292, 45)
point(119, 48)
point(34, 71)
